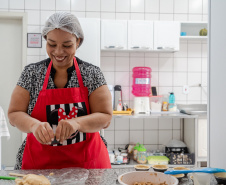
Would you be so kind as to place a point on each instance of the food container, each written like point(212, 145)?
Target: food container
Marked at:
point(141, 155)
point(181, 159)
point(146, 176)
point(119, 159)
point(135, 151)
point(158, 160)
point(160, 167)
point(220, 177)
point(179, 176)
point(125, 157)
point(156, 103)
point(140, 167)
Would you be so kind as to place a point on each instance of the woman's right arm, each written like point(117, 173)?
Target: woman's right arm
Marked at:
point(18, 117)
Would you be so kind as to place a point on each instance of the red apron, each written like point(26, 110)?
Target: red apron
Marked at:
point(87, 150)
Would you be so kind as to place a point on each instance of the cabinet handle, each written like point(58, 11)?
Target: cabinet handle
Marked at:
point(166, 48)
point(138, 47)
point(135, 47)
point(114, 47)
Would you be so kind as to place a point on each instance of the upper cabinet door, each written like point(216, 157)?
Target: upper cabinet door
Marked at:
point(113, 34)
point(140, 35)
point(90, 48)
point(166, 35)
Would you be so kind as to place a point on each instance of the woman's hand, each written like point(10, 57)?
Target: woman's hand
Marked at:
point(65, 129)
point(43, 132)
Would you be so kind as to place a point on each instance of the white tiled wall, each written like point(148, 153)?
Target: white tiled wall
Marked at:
point(154, 133)
point(170, 71)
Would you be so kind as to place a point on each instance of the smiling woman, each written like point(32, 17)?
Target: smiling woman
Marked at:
point(62, 103)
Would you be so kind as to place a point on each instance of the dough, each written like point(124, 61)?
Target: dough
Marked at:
point(32, 179)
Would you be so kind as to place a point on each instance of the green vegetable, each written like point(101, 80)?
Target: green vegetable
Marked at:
point(203, 32)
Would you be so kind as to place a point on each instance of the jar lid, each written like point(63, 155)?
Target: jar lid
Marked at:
point(137, 146)
point(141, 148)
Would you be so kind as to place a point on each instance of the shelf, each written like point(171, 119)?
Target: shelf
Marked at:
point(140, 50)
point(194, 37)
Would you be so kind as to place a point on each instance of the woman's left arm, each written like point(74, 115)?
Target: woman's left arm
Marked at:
point(100, 103)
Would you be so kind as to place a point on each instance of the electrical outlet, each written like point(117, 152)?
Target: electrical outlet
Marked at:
point(185, 89)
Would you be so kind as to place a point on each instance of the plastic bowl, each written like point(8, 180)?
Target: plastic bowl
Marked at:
point(160, 167)
point(141, 167)
point(141, 176)
point(220, 177)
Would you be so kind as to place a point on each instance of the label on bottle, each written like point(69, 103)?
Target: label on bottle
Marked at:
point(142, 80)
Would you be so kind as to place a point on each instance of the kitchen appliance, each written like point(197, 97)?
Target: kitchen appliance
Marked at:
point(117, 95)
point(141, 105)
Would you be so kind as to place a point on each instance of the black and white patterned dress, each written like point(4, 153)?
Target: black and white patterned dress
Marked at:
point(32, 79)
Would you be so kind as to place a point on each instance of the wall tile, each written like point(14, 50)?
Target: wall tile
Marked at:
point(32, 59)
point(108, 5)
point(107, 64)
point(137, 16)
point(109, 77)
point(151, 16)
point(92, 14)
point(180, 64)
point(45, 15)
point(79, 14)
point(204, 50)
point(165, 78)
point(150, 137)
point(33, 17)
point(205, 18)
point(111, 126)
point(176, 123)
point(152, 6)
point(195, 6)
point(176, 134)
point(151, 55)
point(152, 63)
point(4, 4)
point(136, 137)
point(78, 5)
point(194, 64)
point(179, 79)
point(122, 63)
point(110, 147)
point(165, 136)
point(166, 17)
point(121, 124)
point(154, 78)
point(43, 49)
point(123, 6)
point(33, 29)
point(122, 137)
point(166, 6)
point(151, 147)
point(93, 5)
point(33, 51)
point(180, 6)
point(204, 64)
point(151, 124)
point(179, 95)
point(165, 123)
point(16, 4)
point(32, 5)
point(107, 53)
point(205, 6)
point(137, 5)
point(181, 17)
point(135, 61)
point(194, 50)
point(183, 51)
point(196, 17)
point(109, 136)
point(136, 124)
point(125, 93)
point(194, 94)
point(194, 79)
point(122, 78)
point(122, 16)
point(165, 90)
point(63, 5)
point(105, 15)
point(122, 54)
point(165, 55)
point(204, 79)
point(165, 64)
point(204, 94)
point(48, 5)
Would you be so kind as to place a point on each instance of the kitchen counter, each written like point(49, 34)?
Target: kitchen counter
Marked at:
point(96, 176)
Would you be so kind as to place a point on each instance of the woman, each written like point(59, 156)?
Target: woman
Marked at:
point(53, 100)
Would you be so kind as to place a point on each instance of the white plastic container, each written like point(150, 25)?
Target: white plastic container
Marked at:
point(156, 103)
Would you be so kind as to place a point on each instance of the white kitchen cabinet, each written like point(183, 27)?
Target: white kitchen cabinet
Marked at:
point(114, 35)
point(140, 35)
point(202, 140)
point(166, 35)
point(90, 48)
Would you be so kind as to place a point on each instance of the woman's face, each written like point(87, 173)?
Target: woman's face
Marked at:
point(61, 47)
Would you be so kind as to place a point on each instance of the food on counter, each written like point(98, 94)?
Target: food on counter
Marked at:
point(32, 179)
point(160, 167)
point(141, 167)
point(180, 168)
point(158, 160)
point(148, 183)
point(203, 32)
point(178, 175)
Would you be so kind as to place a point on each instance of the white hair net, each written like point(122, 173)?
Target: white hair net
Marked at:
point(66, 22)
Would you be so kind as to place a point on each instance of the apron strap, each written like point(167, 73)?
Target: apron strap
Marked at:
point(79, 76)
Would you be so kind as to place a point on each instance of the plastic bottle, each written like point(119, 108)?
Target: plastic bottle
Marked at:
point(141, 81)
point(119, 106)
point(171, 98)
point(172, 106)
